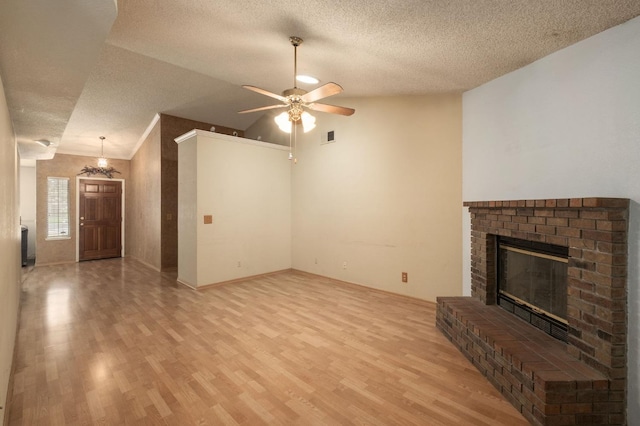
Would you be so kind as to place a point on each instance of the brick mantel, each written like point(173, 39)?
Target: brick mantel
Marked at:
point(595, 231)
point(572, 203)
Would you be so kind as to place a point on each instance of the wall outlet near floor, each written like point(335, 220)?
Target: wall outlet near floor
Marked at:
point(316, 260)
point(239, 264)
point(405, 277)
point(344, 265)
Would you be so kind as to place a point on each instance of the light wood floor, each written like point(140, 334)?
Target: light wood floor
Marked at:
point(113, 342)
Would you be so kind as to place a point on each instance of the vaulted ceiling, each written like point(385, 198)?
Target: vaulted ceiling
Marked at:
point(75, 70)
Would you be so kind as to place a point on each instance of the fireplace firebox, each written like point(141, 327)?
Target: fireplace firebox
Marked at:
point(532, 283)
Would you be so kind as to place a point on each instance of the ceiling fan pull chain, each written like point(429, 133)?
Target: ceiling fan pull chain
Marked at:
point(290, 152)
point(295, 139)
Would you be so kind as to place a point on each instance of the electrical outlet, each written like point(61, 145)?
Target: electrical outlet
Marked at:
point(316, 260)
point(239, 264)
point(344, 265)
point(405, 277)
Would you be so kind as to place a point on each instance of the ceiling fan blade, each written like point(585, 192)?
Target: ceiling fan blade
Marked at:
point(266, 93)
point(332, 109)
point(261, 108)
point(323, 91)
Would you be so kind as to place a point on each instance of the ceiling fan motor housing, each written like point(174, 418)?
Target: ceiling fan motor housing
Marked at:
point(294, 91)
point(295, 102)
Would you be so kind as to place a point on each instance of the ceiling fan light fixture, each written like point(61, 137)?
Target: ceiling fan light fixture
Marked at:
point(308, 121)
point(307, 79)
point(283, 122)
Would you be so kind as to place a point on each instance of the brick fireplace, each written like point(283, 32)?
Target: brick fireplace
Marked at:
point(579, 382)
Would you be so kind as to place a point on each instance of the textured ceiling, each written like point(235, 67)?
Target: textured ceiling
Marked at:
point(75, 70)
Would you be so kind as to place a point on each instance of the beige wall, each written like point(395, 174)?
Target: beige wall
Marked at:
point(385, 197)
point(143, 220)
point(187, 211)
point(64, 165)
point(9, 248)
point(246, 187)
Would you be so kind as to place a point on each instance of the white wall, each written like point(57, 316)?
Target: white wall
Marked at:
point(9, 247)
point(28, 206)
point(188, 211)
point(246, 186)
point(385, 197)
point(565, 126)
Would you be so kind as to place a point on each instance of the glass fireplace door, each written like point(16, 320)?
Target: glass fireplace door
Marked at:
point(532, 283)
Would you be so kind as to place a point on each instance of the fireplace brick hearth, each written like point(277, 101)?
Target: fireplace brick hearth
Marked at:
point(550, 382)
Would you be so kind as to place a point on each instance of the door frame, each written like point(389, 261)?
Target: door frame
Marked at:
point(78, 179)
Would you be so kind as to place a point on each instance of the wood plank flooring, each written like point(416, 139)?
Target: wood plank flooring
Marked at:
point(114, 342)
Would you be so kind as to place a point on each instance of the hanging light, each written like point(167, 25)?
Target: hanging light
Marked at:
point(102, 161)
point(103, 164)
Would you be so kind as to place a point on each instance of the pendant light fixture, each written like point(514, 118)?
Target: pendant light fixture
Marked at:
point(103, 165)
point(102, 161)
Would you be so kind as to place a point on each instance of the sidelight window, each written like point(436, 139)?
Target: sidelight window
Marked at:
point(57, 207)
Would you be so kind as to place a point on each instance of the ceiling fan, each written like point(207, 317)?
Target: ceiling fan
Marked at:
point(296, 99)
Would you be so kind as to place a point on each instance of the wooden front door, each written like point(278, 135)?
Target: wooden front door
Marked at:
point(100, 217)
